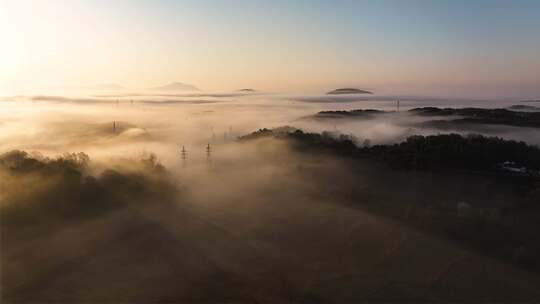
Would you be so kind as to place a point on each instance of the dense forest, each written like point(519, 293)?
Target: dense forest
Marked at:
point(483, 192)
point(525, 117)
point(448, 151)
point(484, 116)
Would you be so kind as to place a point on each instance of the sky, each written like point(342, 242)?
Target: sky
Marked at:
point(486, 48)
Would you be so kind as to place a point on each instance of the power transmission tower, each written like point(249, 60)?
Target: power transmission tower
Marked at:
point(208, 152)
point(183, 155)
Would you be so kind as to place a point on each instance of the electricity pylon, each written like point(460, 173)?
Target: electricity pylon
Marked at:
point(208, 152)
point(183, 155)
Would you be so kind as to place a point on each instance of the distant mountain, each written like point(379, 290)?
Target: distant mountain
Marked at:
point(348, 91)
point(175, 86)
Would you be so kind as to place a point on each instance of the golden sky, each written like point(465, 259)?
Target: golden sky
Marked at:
point(269, 45)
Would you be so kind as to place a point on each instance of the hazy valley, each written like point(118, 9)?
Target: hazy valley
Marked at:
point(172, 197)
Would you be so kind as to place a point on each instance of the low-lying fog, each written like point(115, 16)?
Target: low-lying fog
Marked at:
point(236, 221)
point(161, 123)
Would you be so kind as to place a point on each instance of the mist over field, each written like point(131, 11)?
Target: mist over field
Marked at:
point(236, 151)
point(99, 203)
point(211, 151)
point(194, 119)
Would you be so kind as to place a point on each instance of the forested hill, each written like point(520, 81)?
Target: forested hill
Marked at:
point(450, 151)
point(485, 116)
point(519, 117)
